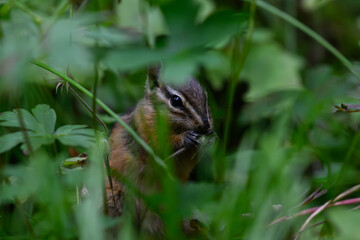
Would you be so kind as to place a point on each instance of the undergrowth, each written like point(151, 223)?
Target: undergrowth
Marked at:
point(282, 89)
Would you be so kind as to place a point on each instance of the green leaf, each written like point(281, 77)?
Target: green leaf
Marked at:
point(327, 230)
point(40, 128)
point(10, 140)
point(68, 129)
point(206, 7)
point(44, 120)
point(178, 68)
point(37, 140)
point(180, 17)
point(345, 223)
point(129, 14)
point(11, 119)
point(46, 116)
point(270, 105)
point(269, 68)
point(112, 37)
point(217, 27)
point(75, 135)
point(62, 52)
point(156, 24)
point(135, 57)
point(186, 34)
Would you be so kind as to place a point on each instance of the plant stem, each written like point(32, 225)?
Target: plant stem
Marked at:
point(25, 132)
point(37, 19)
point(349, 154)
point(96, 81)
point(98, 119)
point(59, 11)
point(237, 66)
point(311, 217)
point(290, 31)
point(350, 201)
point(25, 218)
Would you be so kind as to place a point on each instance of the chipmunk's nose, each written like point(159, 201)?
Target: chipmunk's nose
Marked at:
point(205, 128)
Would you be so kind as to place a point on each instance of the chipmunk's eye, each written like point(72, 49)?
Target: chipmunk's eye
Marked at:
point(175, 101)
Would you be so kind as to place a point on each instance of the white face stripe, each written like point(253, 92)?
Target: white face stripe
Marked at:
point(186, 104)
point(160, 95)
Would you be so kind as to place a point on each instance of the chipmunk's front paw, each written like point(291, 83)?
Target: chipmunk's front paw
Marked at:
point(192, 139)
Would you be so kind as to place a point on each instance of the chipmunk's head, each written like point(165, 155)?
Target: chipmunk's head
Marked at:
point(187, 104)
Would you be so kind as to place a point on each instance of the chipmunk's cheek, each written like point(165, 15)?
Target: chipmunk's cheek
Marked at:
point(181, 131)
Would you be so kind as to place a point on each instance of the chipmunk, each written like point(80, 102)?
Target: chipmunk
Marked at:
point(187, 111)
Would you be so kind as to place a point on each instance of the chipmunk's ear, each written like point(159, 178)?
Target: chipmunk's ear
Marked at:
point(152, 78)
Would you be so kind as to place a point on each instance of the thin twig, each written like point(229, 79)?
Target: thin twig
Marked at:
point(79, 98)
point(313, 209)
point(317, 210)
point(314, 225)
point(355, 208)
point(311, 217)
point(317, 193)
point(24, 131)
point(347, 192)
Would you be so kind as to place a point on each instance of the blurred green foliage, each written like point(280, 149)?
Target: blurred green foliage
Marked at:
point(285, 140)
point(40, 130)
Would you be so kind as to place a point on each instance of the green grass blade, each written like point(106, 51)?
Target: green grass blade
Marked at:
point(308, 31)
